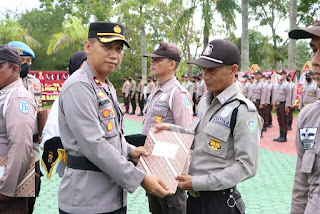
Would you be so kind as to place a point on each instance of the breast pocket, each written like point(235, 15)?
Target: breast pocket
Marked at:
point(159, 113)
point(107, 116)
point(216, 137)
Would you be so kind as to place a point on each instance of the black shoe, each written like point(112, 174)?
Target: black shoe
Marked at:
point(270, 126)
point(264, 129)
point(289, 127)
point(140, 114)
point(126, 112)
point(277, 139)
point(283, 138)
point(132, 113)
point(194, 114)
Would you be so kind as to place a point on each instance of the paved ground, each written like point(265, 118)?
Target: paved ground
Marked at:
point(269, 192)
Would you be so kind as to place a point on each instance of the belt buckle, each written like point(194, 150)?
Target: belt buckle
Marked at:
point(277, 103)
point(254, 100)
point(194, 194)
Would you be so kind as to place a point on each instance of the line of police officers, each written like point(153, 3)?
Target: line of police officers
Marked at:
point(99, 170)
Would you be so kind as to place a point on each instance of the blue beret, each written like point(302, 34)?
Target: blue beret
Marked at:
point(23, 49)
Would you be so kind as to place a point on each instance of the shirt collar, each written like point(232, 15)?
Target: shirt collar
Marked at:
point(167, 84)
point(92, 75)
point(14, 84)
point(224, 96)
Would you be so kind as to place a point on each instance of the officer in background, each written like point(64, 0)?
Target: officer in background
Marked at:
point(293, 88)
point(171, 103)
point(126, 93)
point(194, 97)
point(184, 80)
point(189, 84)
point(268, 101)
point(237, 81)
point(226, 147)
point(201, 89)
point(259, 96)
point(246, 88)
point(310, 92)
point(150, 86)
point(98, 173)
point(281, 102)
point(306, 189)
point(133, 95)
point(140, 95)
point(17, 115)
point(33, 85)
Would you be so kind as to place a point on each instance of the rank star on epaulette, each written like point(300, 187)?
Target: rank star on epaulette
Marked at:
point(97, 81)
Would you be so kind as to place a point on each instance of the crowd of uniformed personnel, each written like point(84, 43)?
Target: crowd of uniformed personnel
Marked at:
point(100, 165)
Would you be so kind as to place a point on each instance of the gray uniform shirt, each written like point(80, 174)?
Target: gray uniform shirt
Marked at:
point(268, 93)
point(220, 160)
point(306, 189)
point(16, 130)
point(259, 91)
point(132, 87)
point(282, 93)
point(310, 93)
point(247, 90)
point(91, 125)
point(189, 87)
point(126, 88)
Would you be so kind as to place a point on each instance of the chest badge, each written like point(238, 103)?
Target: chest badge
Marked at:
point(106, 113)
point(109, 126)
point(158, 119)
point(36, 87)
point(215, 144)
point(252, 125)
point(101, 94)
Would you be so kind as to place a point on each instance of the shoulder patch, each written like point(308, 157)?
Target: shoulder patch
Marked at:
point(24, 106)
point(186, 103)
point(252, 125)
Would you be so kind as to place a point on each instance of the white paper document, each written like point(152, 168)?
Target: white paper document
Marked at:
point(165, 150)
point(2, 168)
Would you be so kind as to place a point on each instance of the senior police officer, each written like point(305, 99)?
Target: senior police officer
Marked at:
point(17, 115)
point(306, 189)
point(98, 173)
point(33, 85)
point(258, 96)
point(225, 147)
point(281, 102)
point(171, 103)
point(310, 91)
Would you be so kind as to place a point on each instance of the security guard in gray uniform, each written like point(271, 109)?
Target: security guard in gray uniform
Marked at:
point(98, 174)
point(306, 189)
point(227, 136)
point(169, 102)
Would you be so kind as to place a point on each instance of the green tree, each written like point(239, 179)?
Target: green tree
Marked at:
point(73, 33)
point(303, 53)
point(12, 30)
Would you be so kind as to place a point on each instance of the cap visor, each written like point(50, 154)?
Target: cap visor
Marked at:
point(153, 55)
point(205, 63)
point(3, 61)
point(304, 33)
point(106, 40)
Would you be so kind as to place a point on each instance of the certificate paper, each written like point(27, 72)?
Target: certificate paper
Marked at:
point(169, 152)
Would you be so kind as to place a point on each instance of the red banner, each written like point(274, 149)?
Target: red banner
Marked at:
point(51, 83)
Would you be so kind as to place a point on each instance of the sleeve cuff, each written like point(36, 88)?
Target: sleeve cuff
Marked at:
point(136, 178)
point(200, 183)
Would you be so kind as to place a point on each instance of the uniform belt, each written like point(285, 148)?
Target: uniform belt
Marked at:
point(35, 138)
point(256, 100)
point(82, 163)
point(199, 194)
point(280, 102)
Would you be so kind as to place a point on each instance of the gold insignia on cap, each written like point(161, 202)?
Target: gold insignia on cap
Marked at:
point(19, 50)
point(117, 29)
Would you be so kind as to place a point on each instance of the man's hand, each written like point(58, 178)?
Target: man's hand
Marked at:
point(161, 126)
point(137, 152)
point(131, 96)
point(155, 186)
point(286, 109)
point(185, 182)
point(140, 98)
point(260, 106)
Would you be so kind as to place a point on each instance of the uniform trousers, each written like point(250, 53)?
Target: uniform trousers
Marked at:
point(290, 116)
point(141, 102)
point(126, 102)
point(268, 114)
point(261, 112)
point(122, 210)
point(211, 202)
point(133, 101)
point(282, 116)
point(172, 204)
point(14, 206)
